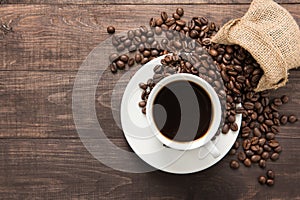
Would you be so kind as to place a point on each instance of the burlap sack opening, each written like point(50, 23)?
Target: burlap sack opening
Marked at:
point(271, 35)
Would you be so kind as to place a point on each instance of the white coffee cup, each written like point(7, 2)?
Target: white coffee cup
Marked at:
point(215, 115)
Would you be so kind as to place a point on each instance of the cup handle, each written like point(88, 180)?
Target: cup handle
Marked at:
point(210, 148)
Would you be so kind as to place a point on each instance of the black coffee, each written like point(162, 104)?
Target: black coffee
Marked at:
point(182, 111)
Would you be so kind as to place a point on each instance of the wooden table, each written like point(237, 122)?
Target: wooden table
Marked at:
point(41, 155)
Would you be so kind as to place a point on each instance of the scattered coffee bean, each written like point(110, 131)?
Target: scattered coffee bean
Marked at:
point(241, 156)
point(262, 179)
point(111, 29)
point(247, 162)
point(234, 164)
point(292, 119)
point(270, 182)
point(262, 163)
point(270, 174)
point(274, 156)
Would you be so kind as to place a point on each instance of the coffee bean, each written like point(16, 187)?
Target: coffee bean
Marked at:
point(254, 140)
point(270, 174)
point(278, 149)
point(193, 34)
point(111, 29)
point(131, 62)
point(143, 86)
point(292, 118)
point(270, 182)
point(246, 144)
point(262, 179)
point(249, 153)
point(234, 126)
point(138, 58)
point(113, 67)
point(248, 105)
point(144, 110)
point(232, 151)
point(273, 143)
point(267, 148)
point(262, 163)
point(142, 104)
point(231, 118)
point(247, 162)
point(274, 156)
point(256, 132)
point(241, 156)
point(255, 158)
point(283, 119)
point(270, 136)
point(261, 141)
point(180, 11)
point(234, 164)
point(284, 99)
point(275, 129)
point(124, 58)
point(120, 64)
point(277, 101)
point(265, 155)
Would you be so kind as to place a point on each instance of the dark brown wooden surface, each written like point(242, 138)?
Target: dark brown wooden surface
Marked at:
point(41, 155)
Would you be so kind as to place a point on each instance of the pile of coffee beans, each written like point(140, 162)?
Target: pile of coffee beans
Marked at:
point(190, 41)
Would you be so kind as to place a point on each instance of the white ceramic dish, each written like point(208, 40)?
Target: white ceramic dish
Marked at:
point(146, 145)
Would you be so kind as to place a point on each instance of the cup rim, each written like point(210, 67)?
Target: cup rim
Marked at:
point(216, 114)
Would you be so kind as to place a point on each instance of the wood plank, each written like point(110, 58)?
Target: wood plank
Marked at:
point(59, 37)
point(63, 169)
point(39, 104)
point(138, 2)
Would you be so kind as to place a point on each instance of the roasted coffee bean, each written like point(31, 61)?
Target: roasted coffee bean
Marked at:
point(254, 140)
point(277, 101)
point(246, 144)
point(292, 118)
point(247, 162)
point(284, 99)
point(193, 34)
point(120, 64)
point(248, 105)
point(261, 141)
point(124, 58)
point(152, 22)
point(231, 118)
point(113, 57)
point(234, 164)
point(138, 58)
point(262, 163)
point(144, 60)
point(111, 29)
point(113, 67)
point(225, 128)
point(143, 86)
point(262, 179)
point(255, 158)
point(270, 174)
point(249, 153)
point(120, 47)
point(144, 110)
point(241, 156)
point(142, 104)
point(256, 132)
point(234, 126)
point(170, 21)
point(273, 143)
point(265, 155)
point(274, 156)
point(130, 62)
point(267, 148)
point(275, 129)
point(270, 136)
point(283, 119)
point(270, 182)
point(278, 149)
point(180, 11)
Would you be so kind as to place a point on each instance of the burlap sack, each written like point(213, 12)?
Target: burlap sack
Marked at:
point(271, 35)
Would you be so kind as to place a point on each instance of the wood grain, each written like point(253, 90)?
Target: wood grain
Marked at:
point(59, 37)
point(41, 155)
point(63, 169)
point(137, 2)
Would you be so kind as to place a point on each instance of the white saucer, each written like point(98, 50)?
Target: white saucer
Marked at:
point(145, 144)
